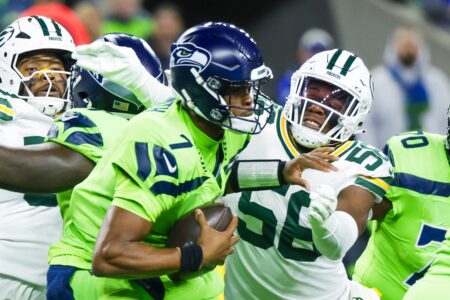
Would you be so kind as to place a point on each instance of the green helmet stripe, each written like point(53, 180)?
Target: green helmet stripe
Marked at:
point(334, 59)
point(347, 65)
point(43, 25)
point(57, 28)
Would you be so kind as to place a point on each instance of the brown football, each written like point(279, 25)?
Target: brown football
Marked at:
point(187, 229)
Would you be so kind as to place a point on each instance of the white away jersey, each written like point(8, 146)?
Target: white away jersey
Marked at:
point(28, 223)
point(276, 257)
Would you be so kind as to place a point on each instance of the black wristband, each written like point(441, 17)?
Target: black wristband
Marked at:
point(191, 257)
point(281, 179)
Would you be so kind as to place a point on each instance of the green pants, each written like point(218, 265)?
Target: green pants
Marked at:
point(87, 286)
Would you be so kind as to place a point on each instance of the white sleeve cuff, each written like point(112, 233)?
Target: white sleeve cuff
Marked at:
point(336, 235)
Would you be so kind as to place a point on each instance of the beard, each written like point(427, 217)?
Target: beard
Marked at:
point(407, 60)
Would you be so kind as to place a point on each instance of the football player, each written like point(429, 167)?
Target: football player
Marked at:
point(78, 138)
point(171, 159)
point(292, 239)
point(413, 220)
point(34, 64)
point(436, 281)
point(340, 95)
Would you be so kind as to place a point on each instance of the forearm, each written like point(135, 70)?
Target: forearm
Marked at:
point(42, 168)
point(255, 175)
point(135, 260)
point(334, 237)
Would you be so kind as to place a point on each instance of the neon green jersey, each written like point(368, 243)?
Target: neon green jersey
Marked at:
point(403, 244)
point(163, 167)
point(87, 131)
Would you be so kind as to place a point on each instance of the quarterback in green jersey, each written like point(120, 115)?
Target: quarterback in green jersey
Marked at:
point(416, 218)
point(170, 160)
point(79, 137)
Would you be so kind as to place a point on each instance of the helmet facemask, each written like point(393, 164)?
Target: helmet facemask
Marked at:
point(321, 113)
point(251, 120)
point(51, 96)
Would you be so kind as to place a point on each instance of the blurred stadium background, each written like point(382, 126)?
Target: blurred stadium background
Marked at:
point(361, 26)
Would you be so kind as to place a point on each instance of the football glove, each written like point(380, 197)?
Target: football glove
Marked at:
point(323, 203)
point(122, 66)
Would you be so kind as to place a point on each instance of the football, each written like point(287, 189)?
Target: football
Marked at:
point(187, 229)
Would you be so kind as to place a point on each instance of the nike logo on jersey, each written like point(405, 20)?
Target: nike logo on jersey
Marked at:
point(172, 169)
point(69, 115)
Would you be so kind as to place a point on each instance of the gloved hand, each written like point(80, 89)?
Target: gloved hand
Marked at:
point(122, 66)
point(323, 203)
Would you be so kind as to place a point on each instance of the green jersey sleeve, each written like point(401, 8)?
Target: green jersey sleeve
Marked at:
point(89, 132)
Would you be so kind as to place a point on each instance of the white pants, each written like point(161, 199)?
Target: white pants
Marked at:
point(15, 289)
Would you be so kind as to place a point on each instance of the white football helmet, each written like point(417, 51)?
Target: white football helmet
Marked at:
point(344, 107)
point(26, 36)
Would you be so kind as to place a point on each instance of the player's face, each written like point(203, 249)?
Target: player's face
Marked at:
point(240, 101)
point(315, 115)
point(44, 63)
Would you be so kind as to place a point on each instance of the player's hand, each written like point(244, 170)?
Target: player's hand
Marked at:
point(122, 66)
point(119, 64)
point(216, 245)
point(323, 203)
point(318, 159)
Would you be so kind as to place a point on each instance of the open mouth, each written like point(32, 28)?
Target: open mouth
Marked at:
point(313, 124)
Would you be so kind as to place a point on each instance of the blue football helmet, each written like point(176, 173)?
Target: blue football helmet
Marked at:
point(89, 89)
point(209, 60)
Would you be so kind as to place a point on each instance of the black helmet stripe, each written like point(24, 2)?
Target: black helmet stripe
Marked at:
point(348, 63)
point(334, 59)
point(44, 26)
point(57, 28)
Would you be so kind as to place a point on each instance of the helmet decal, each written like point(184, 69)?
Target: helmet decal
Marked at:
point(6, 34)
point(188, 54)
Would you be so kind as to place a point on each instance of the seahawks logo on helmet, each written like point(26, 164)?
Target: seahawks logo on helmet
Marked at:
point(5, 35)
point(188, 54)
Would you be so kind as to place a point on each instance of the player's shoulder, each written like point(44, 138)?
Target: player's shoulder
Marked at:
point(365, 159)
point(89, 118)
point(414, 139)
point(159, 123)
point(9, 104)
